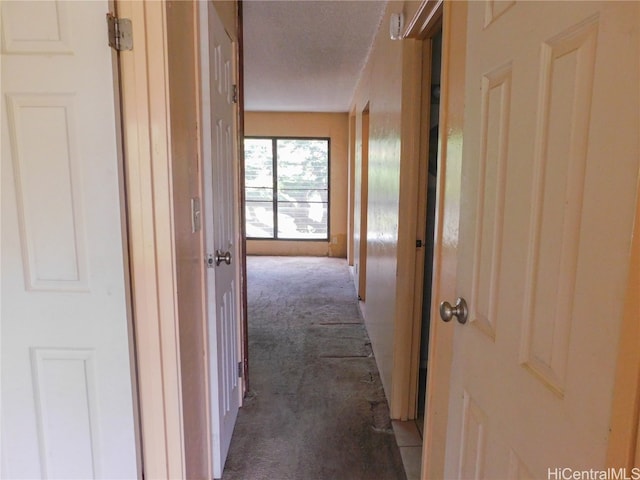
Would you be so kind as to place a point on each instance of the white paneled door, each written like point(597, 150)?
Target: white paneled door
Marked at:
point(548, 199)
point(67, 402)
point(221, 230)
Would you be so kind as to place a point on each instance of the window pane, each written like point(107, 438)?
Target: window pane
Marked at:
point(303, 183)
point(301, 173)
point(302, 195)
point(259, 194)
point(258, 162)
point(259, 219)
point(302, 220)
point(303, 164)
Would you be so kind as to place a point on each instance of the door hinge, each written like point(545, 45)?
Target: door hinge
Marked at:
point(240, 370)
point(120, 33)
point(234, 93)
point(418, 243)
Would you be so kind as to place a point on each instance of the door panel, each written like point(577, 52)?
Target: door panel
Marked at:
point(67, 401)
point(548, 201)
point(221, 234)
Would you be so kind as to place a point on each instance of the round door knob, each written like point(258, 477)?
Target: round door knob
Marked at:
point(223, 257)
point(460, 311)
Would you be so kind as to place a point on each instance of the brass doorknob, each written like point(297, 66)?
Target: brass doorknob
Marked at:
point(460, 311)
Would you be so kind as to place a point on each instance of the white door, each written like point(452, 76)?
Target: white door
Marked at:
point(548, 198)
point(67, 402)
point(221, 230)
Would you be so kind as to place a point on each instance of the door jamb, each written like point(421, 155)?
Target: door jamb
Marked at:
point(147, 147)
point(244, 322)
point(124, 220)
point(401, 405)
point(351, 192)
point(146, 143)
point(412, 217)
point(364, 202)
point(426, 19)
point(448, 182)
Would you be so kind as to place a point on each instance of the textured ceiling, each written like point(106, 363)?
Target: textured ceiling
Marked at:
point(306, 55)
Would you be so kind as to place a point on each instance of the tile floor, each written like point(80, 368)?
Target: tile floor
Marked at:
point(410, 443)
point(407, 434)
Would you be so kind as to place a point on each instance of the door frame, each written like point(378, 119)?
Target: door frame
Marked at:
point(445, 254)
point(244, 319)
point(147, 146)
point(358, 197)
point(364, 124)
point(352, 186)
point(412, 210)
point(144, 90)
point(144, 86)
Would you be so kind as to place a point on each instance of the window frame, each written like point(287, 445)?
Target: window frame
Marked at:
point(274, 201)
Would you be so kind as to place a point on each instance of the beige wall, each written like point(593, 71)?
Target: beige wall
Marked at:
point(381, 87)
point(336, 127)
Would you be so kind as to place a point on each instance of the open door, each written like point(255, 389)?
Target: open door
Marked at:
point(67, 396)
point(548, 199)
point(222, 237)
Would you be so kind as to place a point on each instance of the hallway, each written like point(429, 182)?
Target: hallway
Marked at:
point(316, 408)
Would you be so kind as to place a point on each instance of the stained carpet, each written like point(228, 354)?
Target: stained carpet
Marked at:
point(316, 409)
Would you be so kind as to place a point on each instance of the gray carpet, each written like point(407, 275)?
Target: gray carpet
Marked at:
point(316, 409)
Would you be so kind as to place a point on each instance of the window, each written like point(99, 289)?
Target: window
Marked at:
point(287, 188)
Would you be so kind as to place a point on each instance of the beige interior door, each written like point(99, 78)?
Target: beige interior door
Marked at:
point(221, 231)
point(67, 401)
point(547, 205)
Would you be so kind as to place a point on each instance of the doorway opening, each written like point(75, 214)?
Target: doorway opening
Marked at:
point(361, 202)
point(431, 55)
